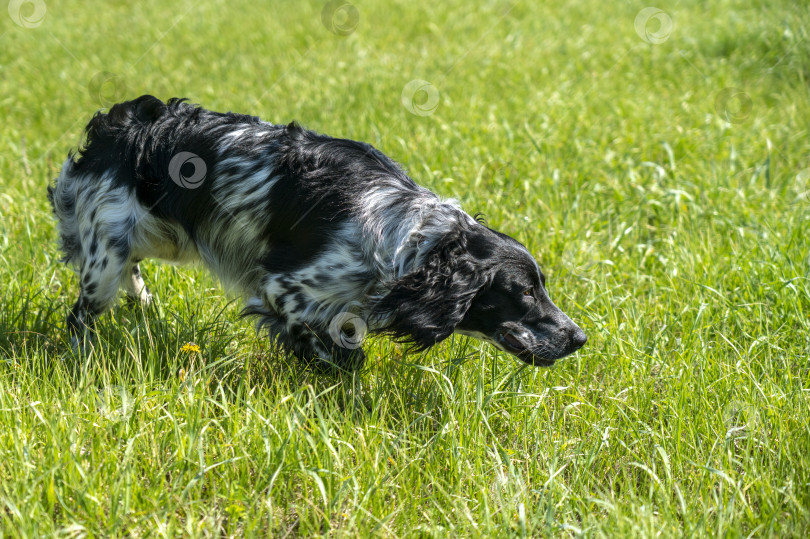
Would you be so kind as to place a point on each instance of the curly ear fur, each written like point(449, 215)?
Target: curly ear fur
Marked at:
point(425, 305)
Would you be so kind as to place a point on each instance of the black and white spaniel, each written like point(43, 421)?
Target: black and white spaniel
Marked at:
point(326, 239)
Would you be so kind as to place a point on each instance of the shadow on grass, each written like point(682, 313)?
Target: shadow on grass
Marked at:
point(163, 348)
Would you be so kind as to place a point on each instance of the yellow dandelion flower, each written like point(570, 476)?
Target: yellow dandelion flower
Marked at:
point(190, 348)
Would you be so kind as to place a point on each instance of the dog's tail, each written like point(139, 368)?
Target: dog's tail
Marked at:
point(123, 122)
point(136, 136)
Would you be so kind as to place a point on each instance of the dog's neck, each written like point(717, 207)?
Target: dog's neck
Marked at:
point(416, 229)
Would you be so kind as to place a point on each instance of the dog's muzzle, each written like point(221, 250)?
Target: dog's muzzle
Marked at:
point(541, 347)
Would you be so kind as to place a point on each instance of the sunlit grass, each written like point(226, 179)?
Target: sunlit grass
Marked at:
point(675, 237)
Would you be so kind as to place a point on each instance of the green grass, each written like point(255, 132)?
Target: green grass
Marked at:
point(677, 239)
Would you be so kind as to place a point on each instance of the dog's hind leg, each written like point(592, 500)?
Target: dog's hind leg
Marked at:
point(100, 275)
point(135, 287)
point(104, 233)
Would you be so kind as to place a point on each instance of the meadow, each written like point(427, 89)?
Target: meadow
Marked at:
point(655, 160)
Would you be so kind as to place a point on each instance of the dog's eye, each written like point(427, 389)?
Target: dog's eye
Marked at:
point(528, 292)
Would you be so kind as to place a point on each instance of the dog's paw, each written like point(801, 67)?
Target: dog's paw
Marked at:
point(144, 297)
point(333, 361)
point(345, 359)
point(82, 345)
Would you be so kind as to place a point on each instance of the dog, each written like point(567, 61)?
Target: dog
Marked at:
point(326, 239)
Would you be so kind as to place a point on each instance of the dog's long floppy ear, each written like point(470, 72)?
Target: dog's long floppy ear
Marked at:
point(425, 305)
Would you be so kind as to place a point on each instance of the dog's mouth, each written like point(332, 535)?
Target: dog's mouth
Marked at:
point(516, 345)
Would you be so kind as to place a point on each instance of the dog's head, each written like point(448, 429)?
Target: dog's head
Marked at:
point(481, 283)
point(513, 311)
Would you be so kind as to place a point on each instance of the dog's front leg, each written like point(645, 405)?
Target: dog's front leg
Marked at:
point(305, 326)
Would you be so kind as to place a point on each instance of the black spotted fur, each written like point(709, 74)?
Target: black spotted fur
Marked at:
point(326, 239)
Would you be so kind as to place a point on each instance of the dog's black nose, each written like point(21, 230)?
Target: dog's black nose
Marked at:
point(578, 337)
